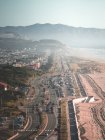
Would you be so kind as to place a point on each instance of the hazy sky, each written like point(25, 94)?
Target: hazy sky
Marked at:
point(84, 13)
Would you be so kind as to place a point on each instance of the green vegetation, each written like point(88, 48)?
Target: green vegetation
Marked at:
point(63, 121)
point(45, 68)
point(14, 76)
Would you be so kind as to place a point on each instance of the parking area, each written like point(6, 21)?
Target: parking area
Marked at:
point(73, 126)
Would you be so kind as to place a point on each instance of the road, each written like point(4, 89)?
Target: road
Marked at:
point(33, 117)
point(33, 124)
point(49, 129)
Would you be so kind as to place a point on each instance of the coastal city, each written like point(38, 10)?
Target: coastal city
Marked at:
point(46, 95)
point(52, 69)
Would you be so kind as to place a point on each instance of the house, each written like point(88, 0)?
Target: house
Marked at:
point(4, 86)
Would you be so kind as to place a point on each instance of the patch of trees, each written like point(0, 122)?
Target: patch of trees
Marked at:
point(14, 76)
point(48, 64)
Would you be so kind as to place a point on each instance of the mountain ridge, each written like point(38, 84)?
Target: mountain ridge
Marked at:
point(74, 36)
point(52, 24)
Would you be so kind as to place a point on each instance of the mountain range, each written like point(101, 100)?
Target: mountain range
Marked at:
point(72, 36)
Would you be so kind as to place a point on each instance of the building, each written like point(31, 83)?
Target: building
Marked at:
point(4, 86)
point(36, 65)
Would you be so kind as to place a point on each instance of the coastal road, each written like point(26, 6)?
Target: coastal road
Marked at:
point(34, 120)
point(50, 127)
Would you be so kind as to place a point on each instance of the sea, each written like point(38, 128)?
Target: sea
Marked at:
point(89, 53)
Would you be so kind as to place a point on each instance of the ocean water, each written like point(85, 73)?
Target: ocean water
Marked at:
point(89, 53)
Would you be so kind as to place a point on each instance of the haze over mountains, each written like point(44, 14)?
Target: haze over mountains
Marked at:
point(72, 36)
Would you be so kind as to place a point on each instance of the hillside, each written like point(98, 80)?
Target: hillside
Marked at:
point(73, 36)
point(14, 43)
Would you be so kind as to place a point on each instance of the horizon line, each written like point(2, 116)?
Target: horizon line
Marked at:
point(52, 24)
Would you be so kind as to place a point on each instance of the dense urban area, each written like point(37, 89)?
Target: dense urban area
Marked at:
point(46, 94)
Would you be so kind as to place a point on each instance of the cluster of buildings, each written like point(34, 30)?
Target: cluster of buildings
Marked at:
point(25, 57)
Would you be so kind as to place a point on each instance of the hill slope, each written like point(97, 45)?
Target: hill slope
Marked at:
point(67, 34)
